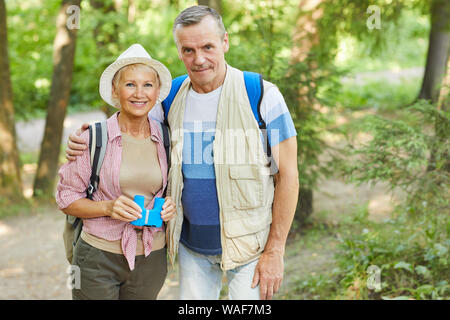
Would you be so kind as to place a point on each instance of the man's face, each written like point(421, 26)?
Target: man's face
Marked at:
point(202, 50)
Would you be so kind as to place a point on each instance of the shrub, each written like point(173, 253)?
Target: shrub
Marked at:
point(411, 249)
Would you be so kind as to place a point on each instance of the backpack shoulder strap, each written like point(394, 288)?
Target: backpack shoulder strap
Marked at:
point(176, 84)
point(98, 140)
point(164, 130)
point(255, 91)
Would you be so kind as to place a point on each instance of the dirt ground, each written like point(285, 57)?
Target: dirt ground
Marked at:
point(32, 258)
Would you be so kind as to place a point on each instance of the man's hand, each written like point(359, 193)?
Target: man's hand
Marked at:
point(269, 274)
point(76, 145)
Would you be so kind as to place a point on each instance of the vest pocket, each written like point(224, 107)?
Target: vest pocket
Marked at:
point(243, 248)
point(246, 238)
point(246, 187)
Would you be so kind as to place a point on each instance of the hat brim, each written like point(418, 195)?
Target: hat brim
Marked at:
point(105, 86)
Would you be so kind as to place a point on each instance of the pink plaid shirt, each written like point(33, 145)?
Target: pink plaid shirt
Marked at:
point(74, 180)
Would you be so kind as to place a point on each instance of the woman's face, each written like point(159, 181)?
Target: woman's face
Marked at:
point(137, 90)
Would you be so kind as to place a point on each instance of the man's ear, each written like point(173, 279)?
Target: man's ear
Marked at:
point(177, 44)
point(179, 51)
point(226, 44)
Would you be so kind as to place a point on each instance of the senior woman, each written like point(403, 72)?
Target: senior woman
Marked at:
point(118, 260)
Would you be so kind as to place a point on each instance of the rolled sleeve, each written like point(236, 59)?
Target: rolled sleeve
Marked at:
point(275, 112)
point(74, 178)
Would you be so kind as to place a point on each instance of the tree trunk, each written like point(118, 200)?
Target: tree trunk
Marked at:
point(10, 181)
point(438, 50)
point(442, 127)
point(215, 4)
point(444, 95)
point(63, 60)
point(304, 205)
point(305, 39)
point(436, 80)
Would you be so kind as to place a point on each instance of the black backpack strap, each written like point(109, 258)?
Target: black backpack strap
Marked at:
point(98, 138)
point(166, 139)
point(165, 133)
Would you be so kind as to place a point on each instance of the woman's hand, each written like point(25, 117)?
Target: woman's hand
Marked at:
point(169, 209)
point(124, 208)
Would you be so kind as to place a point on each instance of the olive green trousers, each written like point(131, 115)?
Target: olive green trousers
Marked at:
point(107, 276)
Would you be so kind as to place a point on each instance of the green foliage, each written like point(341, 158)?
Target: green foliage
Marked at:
point(376, 95)
point(399, 153)
point(412, 248)
point(315, 287)
point(309, 113)
point(412, 255)
point(30, 54)
point(352, 22)
point(268, 24)
point(405, 46)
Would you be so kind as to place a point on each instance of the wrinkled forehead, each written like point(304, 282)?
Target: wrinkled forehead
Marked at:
point(208, 24)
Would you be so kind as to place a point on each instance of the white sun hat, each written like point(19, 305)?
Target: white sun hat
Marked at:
point(134, 54)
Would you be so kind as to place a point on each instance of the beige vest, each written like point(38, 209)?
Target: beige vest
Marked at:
point(245, 188)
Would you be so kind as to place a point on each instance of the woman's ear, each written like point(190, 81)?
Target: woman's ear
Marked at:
point(113, 93)
point(115, 97)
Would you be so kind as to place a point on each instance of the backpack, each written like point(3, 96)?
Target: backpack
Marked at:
point(255, 92)
point(98, 141)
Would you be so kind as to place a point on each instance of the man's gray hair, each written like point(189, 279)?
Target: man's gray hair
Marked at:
point(194, 15)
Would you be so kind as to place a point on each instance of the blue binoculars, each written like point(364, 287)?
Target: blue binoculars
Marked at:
point(150, 218)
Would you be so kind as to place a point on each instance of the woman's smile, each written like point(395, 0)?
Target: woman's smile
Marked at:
point(139, 104)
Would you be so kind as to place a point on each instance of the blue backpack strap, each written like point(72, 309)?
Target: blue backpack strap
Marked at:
point(255, 91)
point(176, 84)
